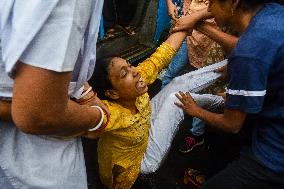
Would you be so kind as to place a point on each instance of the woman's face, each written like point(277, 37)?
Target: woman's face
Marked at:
point(125, 79)
point(222, 12)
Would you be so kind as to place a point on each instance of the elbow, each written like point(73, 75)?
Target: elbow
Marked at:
point(30, 122)
point(25, 123)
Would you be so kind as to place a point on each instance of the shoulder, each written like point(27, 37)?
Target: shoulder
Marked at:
point(264, 36)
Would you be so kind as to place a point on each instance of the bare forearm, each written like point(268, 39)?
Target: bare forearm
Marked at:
point(231, 121)
point(5, 111)
point(168, 2)
point(220, 121)
point(52, 120)
point(41, 104)
point(176, 39)
point(74, 119)
point(227, 41)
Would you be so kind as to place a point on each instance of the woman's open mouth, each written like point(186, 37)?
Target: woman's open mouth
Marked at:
point(141, 85)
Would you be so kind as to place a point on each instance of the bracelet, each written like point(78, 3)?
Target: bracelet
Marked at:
point(101, 121)
point(107, 121)
point(87, 100)
point(86, 92)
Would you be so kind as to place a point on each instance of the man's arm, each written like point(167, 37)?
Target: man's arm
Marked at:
point(231, 121)
point(227, 41)
point(41, 104)
point(172, 10)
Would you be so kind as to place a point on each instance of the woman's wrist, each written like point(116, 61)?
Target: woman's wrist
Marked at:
point(96, 127)
point(104, 120)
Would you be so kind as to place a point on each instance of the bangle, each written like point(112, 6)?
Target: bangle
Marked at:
point(101, 121)
point(107, 121)
point(86, 92)
point(87, 100)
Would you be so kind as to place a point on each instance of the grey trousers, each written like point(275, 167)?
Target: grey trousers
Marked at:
point(166, 116)
point(4, 181)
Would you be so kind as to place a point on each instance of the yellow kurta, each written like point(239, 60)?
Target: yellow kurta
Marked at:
point(124, 141)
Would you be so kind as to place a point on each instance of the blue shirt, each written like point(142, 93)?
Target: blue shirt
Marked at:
point(256, 86)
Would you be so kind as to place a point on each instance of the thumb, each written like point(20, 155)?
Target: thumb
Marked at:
point(220, 70)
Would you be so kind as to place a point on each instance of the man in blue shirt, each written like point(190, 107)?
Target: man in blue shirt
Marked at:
point(255, 92)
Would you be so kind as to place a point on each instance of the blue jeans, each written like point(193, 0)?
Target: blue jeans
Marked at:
point(178, 63)
point(198, 127)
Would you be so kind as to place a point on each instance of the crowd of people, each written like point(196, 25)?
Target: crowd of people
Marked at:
point(48, 55)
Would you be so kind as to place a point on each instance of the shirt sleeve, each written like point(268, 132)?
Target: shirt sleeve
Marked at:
point(57, 43)
point(117, 118)
point(246, 89)
point(249, 69)
point(150, 68)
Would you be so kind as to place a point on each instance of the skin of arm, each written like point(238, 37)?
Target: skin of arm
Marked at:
point(41, 104)
point(227, 41)
point(230, 121)
point(175, 39)
point(172, 10)
point(5, 111)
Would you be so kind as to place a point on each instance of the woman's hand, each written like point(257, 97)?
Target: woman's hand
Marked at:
point(98, 102)
point(95, 101)
point(187, 23)
point(172, 11)
point(187, 103)
point(197, 5)
point(223, 72)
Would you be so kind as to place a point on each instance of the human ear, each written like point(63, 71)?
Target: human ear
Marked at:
point(112, 94)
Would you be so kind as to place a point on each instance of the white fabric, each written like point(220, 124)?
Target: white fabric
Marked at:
point(56, 45)
point(43, 162)
point(246, 93)
point(24, 24)
point(6, 83)
point(166, 116)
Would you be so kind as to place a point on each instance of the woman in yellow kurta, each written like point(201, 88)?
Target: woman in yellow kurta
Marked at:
point(124, 140)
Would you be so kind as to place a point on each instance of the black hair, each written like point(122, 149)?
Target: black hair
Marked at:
point(100, 80)
point(250, 4)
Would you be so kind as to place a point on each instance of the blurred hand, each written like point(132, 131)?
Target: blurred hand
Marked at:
point(187, 23)
point(197, 5)
point(223, 94)
point(96, 101)
point(223, 71)
point(173, 12)
point(187, 103)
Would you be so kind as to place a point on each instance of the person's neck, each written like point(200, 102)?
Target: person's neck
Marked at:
point(128, 104)
point(243, 18)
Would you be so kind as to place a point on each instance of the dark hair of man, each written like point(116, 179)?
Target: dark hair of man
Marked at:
point(100, 80)
point(250, 4)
